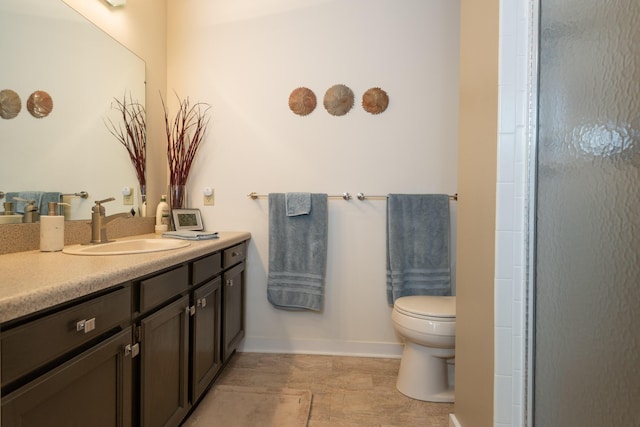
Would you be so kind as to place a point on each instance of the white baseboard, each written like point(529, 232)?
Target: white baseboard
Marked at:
point(453, 421)
point(328, 347)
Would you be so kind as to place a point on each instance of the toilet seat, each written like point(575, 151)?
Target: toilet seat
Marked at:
point(437, 308)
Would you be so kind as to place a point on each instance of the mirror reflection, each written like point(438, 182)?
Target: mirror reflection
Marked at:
point(47, 47)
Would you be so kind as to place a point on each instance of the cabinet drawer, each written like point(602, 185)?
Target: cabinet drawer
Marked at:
point(207, 267)
point(33, 345)
point(234, 255)
point(158, 289)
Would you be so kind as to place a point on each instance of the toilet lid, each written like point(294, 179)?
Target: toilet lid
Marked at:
point(427, 306)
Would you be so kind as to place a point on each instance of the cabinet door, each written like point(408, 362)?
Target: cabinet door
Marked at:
point(164, 364)
point(92, 389)
point(206, 336)
point(233, 309)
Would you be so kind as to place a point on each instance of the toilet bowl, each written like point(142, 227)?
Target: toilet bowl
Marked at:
point(427, 325)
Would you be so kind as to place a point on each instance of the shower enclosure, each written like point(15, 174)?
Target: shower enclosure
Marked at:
point(586, 279)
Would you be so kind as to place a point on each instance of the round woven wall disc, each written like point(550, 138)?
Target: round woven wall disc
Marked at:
point(39, 104)
point(10, 104)
point(302, 101)
point(375, 100)
point(338, 100)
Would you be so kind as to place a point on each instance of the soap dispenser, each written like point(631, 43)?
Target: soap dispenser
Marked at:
point(52, 229)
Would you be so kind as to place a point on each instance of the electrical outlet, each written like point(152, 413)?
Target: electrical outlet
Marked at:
point(209, 197)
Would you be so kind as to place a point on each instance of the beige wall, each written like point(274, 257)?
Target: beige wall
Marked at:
point(244, 58)
point(141, 27)
point(477, 158)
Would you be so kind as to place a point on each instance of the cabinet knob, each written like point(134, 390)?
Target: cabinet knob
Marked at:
point(132, 350)
point(86, 325)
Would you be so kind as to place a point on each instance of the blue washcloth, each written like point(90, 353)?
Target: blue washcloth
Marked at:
point(297, 254)
point(18, 205)
point(417, 245)
point(298, 204)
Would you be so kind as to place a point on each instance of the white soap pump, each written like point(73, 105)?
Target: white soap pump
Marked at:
point(52, 229)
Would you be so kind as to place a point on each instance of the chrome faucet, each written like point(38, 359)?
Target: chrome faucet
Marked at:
point(99, 221)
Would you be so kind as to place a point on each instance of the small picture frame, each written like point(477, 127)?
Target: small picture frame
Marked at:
point(187, 219)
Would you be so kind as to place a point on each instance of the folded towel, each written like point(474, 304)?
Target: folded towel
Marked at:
point(298, 204)
point(417, 245)
point(191, 234)
point(297, 254)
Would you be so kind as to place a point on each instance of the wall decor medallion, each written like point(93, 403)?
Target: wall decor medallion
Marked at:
point(39, 104)
point(302, 101)
point(375, 100)
point(338, 100)
point(10, 104)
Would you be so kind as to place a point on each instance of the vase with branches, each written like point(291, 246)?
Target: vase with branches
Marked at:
point(131, 132)
point(185, 134)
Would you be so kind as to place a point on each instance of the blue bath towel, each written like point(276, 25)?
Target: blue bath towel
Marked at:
point(19, 205)
point(297, 254)
point(41, 198)
point(417, 245)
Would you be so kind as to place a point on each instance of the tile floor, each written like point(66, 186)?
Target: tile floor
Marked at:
point(347, 391)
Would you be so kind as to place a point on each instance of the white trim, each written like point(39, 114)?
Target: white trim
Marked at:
point(453, 421)
point(328, 347)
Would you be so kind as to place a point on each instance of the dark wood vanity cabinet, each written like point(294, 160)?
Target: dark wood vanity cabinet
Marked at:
point(93, 388)
point(206, 336)
point(70, 366)
point(156, 347)
point(233, 309)
point(164, 365)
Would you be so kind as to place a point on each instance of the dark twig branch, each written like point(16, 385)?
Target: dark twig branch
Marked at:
point(185, 134)
point(131, 133)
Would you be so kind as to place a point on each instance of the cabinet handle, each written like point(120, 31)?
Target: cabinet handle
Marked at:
point(86, 325)
point(229, 282)
point(132, 350)
point(190, 310)
point(235, 254)
point(202, 302)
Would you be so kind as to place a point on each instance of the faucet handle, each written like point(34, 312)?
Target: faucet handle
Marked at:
point(98, 208)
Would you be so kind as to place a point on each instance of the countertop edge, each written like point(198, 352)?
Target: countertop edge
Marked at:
point(68, 277)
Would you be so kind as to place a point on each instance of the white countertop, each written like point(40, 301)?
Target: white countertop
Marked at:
point(32, 281)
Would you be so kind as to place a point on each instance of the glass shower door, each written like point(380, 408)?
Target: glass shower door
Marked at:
point(587, 274)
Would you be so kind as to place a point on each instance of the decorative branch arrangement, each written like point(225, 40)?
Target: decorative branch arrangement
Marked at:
point(132, 134)
point(185, 133)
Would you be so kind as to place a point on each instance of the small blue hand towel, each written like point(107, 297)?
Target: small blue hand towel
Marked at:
point(297, 254)
point(298, 204)
point(418, 245)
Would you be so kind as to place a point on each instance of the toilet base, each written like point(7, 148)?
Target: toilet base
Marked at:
point(423, 373)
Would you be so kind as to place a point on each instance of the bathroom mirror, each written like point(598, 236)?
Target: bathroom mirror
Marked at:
point(47, 46)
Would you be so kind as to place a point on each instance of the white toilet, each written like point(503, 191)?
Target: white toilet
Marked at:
point(428, 326)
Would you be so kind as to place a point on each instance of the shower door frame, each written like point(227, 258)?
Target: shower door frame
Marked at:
point(530, 243)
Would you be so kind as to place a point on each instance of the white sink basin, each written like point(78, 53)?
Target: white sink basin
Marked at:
point(124, 247)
